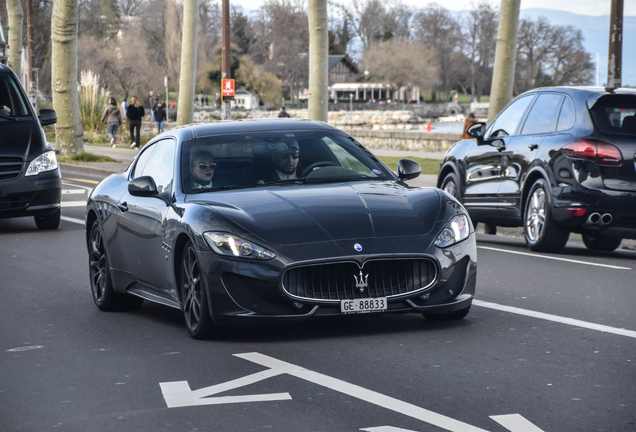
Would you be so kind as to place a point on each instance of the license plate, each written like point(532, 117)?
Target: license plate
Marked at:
point(363, 305)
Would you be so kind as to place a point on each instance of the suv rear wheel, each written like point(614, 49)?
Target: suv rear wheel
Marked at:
point(541, 232)
point(598, 242)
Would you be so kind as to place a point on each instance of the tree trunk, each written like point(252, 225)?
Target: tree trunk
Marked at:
point(68, 129)
point(14, 54)
point(318, 60)
point(505, 57)
point(187, 79)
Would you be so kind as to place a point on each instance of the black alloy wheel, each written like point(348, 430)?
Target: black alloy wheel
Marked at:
point(48, 221)
point(194, 301)
point(104, 296)
point(596, 241)
point(541, 232)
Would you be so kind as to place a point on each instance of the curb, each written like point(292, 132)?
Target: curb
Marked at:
point(83, 169)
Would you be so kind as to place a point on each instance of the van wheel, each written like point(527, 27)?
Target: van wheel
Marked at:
point(48, 221)
point(541, 232)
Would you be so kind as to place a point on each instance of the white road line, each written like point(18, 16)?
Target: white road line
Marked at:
point(73, 204)
point(73, 220)
point(515, 422)
point(554, 258)
point(556, 318)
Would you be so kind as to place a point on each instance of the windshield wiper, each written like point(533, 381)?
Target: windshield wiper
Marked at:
point(227, 187)
point(286, 181)
point(4, 114)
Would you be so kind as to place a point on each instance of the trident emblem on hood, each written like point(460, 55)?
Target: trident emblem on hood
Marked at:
point(362, 282)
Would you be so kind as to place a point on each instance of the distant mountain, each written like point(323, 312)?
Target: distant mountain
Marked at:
point(595, 30)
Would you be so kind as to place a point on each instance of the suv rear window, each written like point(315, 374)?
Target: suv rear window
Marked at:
point(11, 101)
point(616, 114)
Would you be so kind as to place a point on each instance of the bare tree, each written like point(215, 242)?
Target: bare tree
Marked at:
point(173, 39)
point(318, 60)
point(68, 129)
point(436, 28)
point(187, 72)
point(479, 31)
point(535, 42)
point(402, 63)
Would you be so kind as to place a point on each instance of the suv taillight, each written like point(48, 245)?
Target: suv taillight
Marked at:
point(601, 152)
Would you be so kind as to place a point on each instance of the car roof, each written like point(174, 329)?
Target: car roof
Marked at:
point(248, 126)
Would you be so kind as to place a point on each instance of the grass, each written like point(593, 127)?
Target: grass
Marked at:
point(85, 157)
point(429, 166)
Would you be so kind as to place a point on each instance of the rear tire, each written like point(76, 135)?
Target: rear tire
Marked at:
point(194, 299)
point(104, 296)
point(48, 221)
point(541, 232)
point(452, 316)
point(598, 242)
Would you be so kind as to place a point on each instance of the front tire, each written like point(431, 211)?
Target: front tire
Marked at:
point(48, 221)
point(194, 301)
point(104, 296)
point(450, 185)
point(541, 232)
point(598, 242)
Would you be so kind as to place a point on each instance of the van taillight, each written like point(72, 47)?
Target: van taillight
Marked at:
point(601, 152)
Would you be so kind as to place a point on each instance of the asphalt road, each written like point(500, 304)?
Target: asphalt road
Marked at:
point(550, 345)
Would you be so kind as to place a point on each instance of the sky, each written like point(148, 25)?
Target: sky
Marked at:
point(581, 7)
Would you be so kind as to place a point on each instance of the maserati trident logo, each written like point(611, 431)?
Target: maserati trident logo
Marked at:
point(361, 283)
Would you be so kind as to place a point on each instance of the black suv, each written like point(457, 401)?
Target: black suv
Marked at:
point(30, 180)
point(555, 160)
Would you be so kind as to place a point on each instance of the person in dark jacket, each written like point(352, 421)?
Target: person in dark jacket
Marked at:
point(159, 114)
point(283, 113)
point(134, 114)
point(112, 116)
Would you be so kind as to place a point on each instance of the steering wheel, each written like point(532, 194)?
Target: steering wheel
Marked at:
point(314, 165)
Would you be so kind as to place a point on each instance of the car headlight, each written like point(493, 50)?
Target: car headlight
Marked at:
point(456, 230)
point(45, 162)
point(231, 245)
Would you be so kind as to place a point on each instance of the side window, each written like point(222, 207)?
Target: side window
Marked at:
point(567, 116)
point(508, 120)
point(142, 161)
point(543, 114)
point(160, 165)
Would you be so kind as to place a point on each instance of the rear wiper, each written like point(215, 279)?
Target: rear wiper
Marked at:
point(3, 114)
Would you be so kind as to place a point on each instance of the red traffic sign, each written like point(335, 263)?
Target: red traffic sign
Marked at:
point(227, 87)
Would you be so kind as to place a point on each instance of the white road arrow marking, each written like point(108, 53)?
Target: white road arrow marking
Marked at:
point(386, 429)
point(179, 394)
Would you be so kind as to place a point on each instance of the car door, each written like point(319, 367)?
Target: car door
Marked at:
point(143, 219)
point(483, 162)
point(520, 151)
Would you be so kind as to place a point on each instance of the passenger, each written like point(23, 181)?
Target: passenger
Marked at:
point(202, 170)
point(285, 163)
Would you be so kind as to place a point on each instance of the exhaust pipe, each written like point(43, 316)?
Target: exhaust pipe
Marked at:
point(594, 218)
point(606, 219)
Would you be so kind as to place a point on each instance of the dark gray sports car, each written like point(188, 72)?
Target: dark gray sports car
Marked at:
point(275, 221)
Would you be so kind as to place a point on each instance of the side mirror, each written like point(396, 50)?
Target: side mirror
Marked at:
point(408, 169)
point(143, 187)
point(477, 130)
point(47, 117)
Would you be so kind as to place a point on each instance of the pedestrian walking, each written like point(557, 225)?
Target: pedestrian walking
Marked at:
point(135, 114)
point(152, 101)
point(112, 117)
point(124, 107)
point(470, 120)
point(283, 113)
point(159, 114)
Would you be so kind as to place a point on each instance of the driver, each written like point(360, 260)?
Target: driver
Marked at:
point(285, 161)
point(202, 170)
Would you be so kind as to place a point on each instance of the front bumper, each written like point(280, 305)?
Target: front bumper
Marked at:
point(31, 196)
point(250, 292)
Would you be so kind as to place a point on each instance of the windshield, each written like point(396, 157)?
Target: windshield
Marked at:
point(275, 158)
point(616, 114)
point(12, 103)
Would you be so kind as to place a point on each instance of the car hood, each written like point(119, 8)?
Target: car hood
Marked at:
point(287, 215)
point(16, 138)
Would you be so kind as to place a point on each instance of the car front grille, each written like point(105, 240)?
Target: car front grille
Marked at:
point(15, 202)
point(10, 167)
point(346, 280)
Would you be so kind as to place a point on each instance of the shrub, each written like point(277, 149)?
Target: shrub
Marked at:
point(92, 99)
